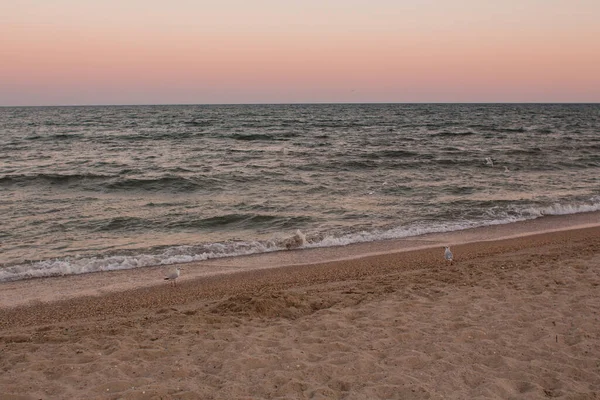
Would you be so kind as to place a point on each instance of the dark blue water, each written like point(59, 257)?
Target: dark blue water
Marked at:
point(84, 189)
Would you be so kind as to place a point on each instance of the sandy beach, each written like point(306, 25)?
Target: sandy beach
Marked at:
point(514, 318)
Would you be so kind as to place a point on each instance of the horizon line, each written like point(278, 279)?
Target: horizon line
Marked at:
point(303, 103)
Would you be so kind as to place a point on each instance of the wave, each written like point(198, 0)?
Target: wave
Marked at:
point(191, 253)
point(170, 255)
point(564, 209)
point(244, 221)
point(423, 228)
point(113, 182)
point(197, 122)
point(53, 179)
point(169, 183)
point(250, 137)
point(185, 222)
point(124, 224)
point(358, 165)
point(54, 137)
point(393, 154)
point(453, 134)
point(507, 129)
point(524, 151)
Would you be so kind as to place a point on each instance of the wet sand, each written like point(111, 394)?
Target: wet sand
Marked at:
point(510, 318)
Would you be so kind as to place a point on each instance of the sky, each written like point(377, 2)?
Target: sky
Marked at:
point(78, 52)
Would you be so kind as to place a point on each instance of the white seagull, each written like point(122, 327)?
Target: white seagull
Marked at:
point(173, 275)
point(489, 161)
point(448, 254)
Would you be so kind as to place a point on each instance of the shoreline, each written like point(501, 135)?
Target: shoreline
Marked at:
point(51, 289)
point(510, 318)
point(69, 265)
point(237, 281)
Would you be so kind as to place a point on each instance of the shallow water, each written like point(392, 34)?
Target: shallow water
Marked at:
point(30, 291)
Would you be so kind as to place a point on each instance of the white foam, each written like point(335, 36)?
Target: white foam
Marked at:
point(404, 232)
point(565, 209)
point(171, 255)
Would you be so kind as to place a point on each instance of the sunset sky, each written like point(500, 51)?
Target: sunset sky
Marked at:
point(72, 52)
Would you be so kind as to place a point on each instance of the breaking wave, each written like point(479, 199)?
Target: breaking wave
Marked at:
point(186, 254)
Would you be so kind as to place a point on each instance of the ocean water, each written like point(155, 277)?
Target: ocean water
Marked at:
point(86, 189)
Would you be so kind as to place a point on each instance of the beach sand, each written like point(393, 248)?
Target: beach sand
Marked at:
point(514, 318)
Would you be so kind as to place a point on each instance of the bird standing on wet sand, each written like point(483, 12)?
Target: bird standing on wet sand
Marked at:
point(448, 254)
point(173, 275)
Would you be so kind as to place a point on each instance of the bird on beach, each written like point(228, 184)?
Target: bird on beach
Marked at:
point(448, 254)
point(489, 161)
point(173, 275)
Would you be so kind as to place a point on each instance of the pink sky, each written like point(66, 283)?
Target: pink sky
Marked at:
point(266, 51)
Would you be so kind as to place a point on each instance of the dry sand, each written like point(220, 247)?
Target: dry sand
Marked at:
point(515, 318)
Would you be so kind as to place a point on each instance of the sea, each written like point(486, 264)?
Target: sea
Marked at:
point(100, 188)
